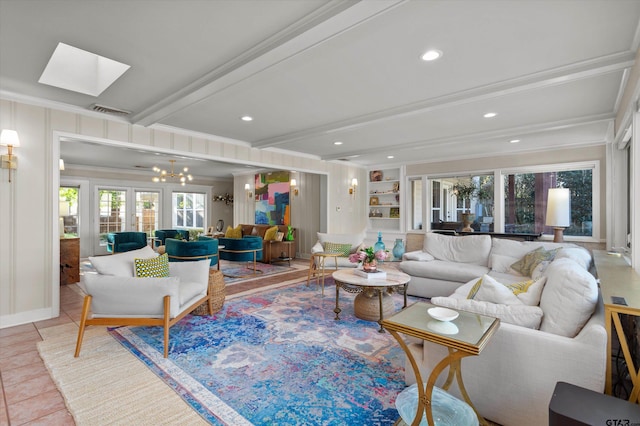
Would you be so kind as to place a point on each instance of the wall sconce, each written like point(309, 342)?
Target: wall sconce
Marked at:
point(247, 189)
point(558, 211)
point(61, 162)
point(294, 187)
point(10, 139)
point(352, 188)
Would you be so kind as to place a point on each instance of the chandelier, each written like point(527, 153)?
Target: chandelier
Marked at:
point(163, 175)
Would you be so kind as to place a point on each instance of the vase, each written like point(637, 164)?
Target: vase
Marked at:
point(371, 266)
point(379, 245)
point(289, 236)
point(398, 248)
point(467, 220)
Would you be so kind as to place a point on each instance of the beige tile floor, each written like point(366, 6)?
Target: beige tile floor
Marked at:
point(29, 395)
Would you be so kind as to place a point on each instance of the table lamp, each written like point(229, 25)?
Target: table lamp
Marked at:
point(558, 212)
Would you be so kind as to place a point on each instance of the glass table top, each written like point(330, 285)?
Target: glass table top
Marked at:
point(468, 332)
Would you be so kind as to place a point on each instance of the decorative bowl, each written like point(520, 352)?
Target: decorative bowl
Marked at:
point(442, 314)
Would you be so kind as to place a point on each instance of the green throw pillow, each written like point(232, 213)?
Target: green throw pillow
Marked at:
point(528, 263)
point(153, 267)
point(270, 234)
point(343, 249)
point(233, 232)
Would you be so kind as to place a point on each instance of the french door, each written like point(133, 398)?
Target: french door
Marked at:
point(120, 209)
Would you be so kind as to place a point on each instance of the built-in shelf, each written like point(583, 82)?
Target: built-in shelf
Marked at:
point(385, 199)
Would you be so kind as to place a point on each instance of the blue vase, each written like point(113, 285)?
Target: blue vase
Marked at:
point(379, 245)
point(398, 249)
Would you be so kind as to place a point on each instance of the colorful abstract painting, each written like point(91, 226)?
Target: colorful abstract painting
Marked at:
point(272, 198)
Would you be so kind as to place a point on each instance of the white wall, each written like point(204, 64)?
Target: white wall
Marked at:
point(29, 246)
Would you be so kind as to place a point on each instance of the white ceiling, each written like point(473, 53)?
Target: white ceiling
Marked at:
point(313, 72)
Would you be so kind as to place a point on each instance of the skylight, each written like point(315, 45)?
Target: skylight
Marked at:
point(80, 71)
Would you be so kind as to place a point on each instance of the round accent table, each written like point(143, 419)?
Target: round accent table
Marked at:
point(366, 305)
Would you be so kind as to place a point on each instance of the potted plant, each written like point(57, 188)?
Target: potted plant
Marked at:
point(466, 191)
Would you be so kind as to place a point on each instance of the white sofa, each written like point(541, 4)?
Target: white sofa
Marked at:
point(355, 242)
point(446, 261)
point(555, 334)
point(114, 296)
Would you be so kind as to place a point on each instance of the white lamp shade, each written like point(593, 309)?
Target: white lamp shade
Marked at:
point(354, 182)
point(9, 138)
point(247, 187)
point(61, 164)
point(559, 207)
point(293, 182)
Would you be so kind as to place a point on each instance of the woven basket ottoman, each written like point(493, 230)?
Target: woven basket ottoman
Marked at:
point(216, 293)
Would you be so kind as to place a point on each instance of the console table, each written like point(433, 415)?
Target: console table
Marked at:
point(514, 236)
point(69, 260)
point(618, 279)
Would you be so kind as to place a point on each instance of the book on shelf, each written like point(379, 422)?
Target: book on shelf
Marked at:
point(371, 275)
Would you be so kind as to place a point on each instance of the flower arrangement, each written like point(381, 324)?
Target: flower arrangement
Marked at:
point(368, 256)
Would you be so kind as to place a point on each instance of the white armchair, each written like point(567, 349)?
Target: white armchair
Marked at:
point(116, 300)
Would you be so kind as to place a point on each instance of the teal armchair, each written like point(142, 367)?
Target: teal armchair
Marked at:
point(246, 249)
point(189, 251)
point(118, 242)
point(163, 234)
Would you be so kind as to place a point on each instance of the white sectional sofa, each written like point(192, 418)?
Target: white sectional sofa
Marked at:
point(446, 262)
point(553, 331)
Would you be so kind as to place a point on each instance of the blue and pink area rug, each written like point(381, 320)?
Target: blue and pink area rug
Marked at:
point(279, 358)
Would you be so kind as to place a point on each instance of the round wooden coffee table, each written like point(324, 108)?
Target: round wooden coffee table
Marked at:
point(366, 305)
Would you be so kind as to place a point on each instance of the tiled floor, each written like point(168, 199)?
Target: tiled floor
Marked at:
point(29, 396)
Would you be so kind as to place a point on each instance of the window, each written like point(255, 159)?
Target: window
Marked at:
point(147, 209)
point(68, 205)
point(454, 200)
point(415, 186)
point(112, 207)
point(525, 200)
point(188, 210)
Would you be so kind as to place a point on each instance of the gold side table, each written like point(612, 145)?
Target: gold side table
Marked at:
point(468, 336)
point(318, 271)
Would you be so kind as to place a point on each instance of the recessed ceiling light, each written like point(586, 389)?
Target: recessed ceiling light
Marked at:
point(431, 55)
point(490, 115)
point(246, 118)
point(337, 143)
point(514, 141)
point(389, 156)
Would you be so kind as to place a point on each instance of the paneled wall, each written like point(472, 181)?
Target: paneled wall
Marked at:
point(29, 246)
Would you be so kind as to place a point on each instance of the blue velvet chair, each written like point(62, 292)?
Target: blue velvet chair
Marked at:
point(241, 249)
point(118, 242)
point(189, 251)
point(163, 234)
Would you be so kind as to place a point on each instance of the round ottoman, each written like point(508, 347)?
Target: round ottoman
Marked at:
point(366, 305)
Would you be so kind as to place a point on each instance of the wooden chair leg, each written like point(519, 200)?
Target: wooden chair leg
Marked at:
point(167, 311)
point(83, 319)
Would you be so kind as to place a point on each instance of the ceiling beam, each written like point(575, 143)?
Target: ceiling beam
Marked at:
point(536, 81)
point(332, 19)
point(482, 136)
